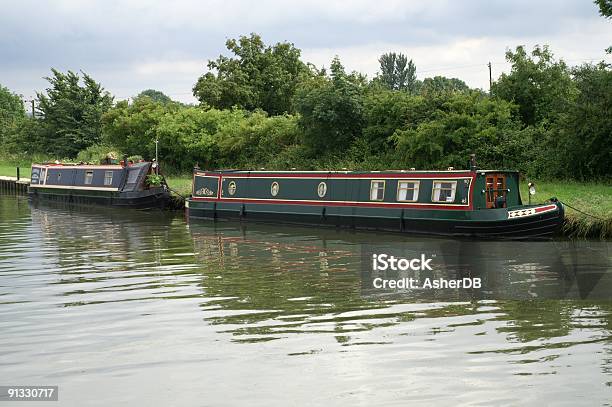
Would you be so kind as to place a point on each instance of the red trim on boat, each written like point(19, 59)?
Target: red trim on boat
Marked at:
point(326, 175)
point(545, 208)
point(337, 203)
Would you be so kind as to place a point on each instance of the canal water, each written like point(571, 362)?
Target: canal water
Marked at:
point(143, 308)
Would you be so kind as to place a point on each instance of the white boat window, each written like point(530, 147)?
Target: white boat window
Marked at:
point(231, 188)
point(407, 191)
point(108, 178)
point(274, 188)
point(322, 189)
point(444, 191)
point(88, 177)
point(377, 190)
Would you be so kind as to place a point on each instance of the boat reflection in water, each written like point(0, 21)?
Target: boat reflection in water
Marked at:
point(287, 280)
point(272, 280)
point(508, 270)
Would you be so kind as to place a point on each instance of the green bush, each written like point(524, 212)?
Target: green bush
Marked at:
point(135, 158)
point(98, 152)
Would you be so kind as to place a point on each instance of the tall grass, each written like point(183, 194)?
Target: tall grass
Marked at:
point(180, 184)
point(592, 198)
point(11, 171)
point(584, 226)
point(23, 160)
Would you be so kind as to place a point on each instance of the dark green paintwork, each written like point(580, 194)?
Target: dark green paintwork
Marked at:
point(354, 189)
point(513, 197)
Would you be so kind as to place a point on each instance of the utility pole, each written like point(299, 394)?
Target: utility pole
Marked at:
point(33, 117)
point(490, 77)
point(156, 158)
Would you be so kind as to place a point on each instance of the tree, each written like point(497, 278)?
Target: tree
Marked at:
point(71, 113)
point(397, 73)
point(386, 111)
point(188, 134)
point(605, 9)
point(331, 109)
point(12, 114)
point(131, 127)
point(585, 134)
point(538, 84)
point(257, 77)
point(442, 84)
point(11, 106)
point(154, 95)
point(459, 124)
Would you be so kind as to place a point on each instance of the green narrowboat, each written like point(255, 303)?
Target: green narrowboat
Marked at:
point(119, 185)
point(470, 203)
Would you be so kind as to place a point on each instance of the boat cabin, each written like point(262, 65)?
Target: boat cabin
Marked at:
point(91, 177)
point(470, 202)
point(109, 184)
point(410, 189)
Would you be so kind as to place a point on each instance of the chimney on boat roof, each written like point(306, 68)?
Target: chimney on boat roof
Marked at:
point(472, 163)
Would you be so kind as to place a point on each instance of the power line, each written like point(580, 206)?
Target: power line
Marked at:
point(440, 68)
point(447, 67)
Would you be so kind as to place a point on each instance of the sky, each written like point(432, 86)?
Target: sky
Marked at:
point(130, 46)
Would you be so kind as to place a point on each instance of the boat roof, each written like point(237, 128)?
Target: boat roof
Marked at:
point(487, 171)
point(91, 166)
point(353, 172)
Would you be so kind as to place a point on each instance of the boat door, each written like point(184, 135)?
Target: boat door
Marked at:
point(495, 188)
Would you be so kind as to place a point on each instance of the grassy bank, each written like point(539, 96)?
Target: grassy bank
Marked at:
point(11, 171)
point(180, 184)
point(592, 198)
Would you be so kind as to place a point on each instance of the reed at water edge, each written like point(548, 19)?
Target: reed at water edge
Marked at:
point(582, 226)
point(588, 206)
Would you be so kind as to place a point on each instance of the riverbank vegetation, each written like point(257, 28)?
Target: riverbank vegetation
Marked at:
point(262, 106)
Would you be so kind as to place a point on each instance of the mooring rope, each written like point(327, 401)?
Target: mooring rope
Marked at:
point(582, 212)
point(172, 190)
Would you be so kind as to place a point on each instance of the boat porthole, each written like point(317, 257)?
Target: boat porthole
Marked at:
point(274, 188)
point(322, 189)
point(231, 188)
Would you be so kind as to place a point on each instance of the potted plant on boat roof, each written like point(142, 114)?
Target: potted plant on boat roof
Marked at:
point(154, 180)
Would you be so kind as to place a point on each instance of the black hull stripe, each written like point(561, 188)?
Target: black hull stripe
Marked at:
point(508, 229)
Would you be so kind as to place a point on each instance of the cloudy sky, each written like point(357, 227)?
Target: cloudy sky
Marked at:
point(134, 45)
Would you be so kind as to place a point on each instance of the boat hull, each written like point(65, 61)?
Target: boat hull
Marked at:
point(490, 223)
point(149, 199)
